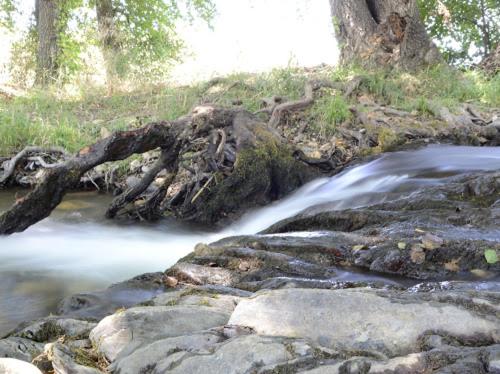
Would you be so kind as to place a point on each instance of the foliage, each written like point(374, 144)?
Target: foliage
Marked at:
point(328, 112)
point(146, 32)
point(147, 40)
point(7, 10)
point(491, 256)
point(465, 30)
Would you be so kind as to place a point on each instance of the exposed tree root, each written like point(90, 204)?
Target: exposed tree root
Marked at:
point(221, 159)
point(279, 110)
point(10, 166)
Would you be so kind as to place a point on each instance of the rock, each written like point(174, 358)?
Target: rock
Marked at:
point(417, 254)
point(151, 355)
point(197, 274)
point(195, 297)
point(431, 242)
point(99, 304)
point(134, 166)
point(171, 281)
point(20, 348)
point(241, 355)
point(50, 328)
point(13, 366)
point(64, 361)
point(358, 319)
point(125, 331)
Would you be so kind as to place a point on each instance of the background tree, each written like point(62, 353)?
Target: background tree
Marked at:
point(137, 37)
point(382, 33)
point(47, 24)
point(467, 31)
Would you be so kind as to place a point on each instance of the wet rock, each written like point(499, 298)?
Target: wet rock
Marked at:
point(99, 304)
point(20, 348)
point(383, 323)
point(125, 331)
point(13, 366)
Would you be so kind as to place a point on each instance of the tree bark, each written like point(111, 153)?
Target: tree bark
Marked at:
point(382, 33)
point(108, 36)
point(46, 15)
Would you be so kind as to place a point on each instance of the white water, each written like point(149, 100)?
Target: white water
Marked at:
point(76, 250)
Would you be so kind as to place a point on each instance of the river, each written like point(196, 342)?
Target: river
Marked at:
point(76, 249)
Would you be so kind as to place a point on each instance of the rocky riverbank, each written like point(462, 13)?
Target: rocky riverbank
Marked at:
point(270, 303)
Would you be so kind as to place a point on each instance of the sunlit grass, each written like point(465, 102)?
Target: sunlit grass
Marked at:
point(73, 119)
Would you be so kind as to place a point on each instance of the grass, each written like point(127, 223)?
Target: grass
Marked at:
point(55, 117)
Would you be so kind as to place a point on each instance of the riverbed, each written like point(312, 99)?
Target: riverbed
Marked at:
point(76, 249)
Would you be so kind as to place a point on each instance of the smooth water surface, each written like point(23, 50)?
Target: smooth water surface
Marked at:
point(76, 249)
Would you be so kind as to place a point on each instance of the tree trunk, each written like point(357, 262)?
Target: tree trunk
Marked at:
point(108, 38)
point(46, 14)
point(382, 33)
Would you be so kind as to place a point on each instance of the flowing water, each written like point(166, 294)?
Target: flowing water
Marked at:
point(76, 249)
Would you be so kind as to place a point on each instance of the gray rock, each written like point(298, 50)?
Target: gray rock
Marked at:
point(99, 304)
point(358, 319)
point(123, 332)
point(240, 355)
point(13, 366)
point(147, 357)
point(64, 361)
point(19, 348)
point(192, 297)
point(51, 328)
point(198, 274)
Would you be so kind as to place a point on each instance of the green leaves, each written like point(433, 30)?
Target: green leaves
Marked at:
point(464, 30)
point(491, 256)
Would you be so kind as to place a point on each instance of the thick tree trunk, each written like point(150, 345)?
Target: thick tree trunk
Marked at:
point(382, 33)
point(46, 14)
point(108, 37)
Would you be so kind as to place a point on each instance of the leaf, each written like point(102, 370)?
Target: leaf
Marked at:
point(491, 256)
point(358, 247)
point(402, 245)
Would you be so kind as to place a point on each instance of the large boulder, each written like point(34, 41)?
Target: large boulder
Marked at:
point(360, 319)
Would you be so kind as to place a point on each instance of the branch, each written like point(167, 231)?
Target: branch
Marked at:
point(14, 161)
point(39, 203)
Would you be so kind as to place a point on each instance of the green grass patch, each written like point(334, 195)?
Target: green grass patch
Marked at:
point(55, 117)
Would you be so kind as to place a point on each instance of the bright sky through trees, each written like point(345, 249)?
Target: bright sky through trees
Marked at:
point(246, 35)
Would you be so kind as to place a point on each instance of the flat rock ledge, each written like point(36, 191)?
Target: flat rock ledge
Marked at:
point(455, 328)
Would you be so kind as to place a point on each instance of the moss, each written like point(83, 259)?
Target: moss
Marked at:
point(48, 331)
point(85, 357)
point(262, 174)
point(204, 302)
point(199, 292)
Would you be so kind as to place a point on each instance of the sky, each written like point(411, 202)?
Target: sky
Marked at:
point(246, 35)
point(257, 35)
